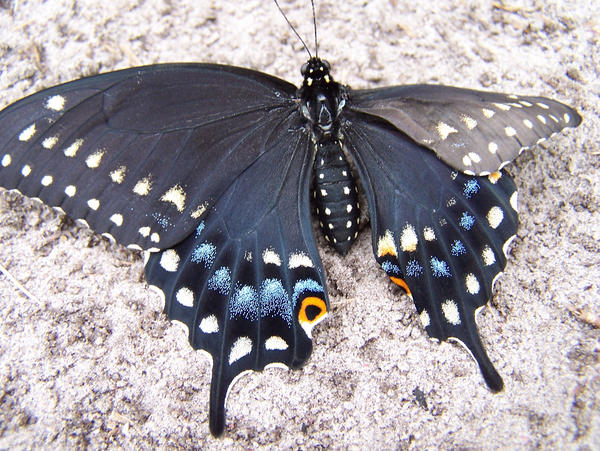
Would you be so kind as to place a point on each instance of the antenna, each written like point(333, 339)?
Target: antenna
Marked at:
point(294, 30)
point(312, 2)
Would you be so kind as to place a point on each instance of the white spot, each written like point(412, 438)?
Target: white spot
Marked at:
point(542, 105)
point(346, 190)
point(330, 225)
point(241, 348)
point(94, 204)
point(510, 131)
point(47, 180)
point(408, 239)
point(199, 211)
point(502, 106)
point(506, 245)
point(554, 118)
point(298, 259)
point(323, 193)
point(450, 311)
point(488, 256)
point(424, 317)
point(488, 113)
point(444, 130)
point(71, 151)
point(275, 343)
point(474, 157)
point(118, 175)
point(109, 237)
point(386, 245)
point(70, 190)
point(49, 142)
point(344, 173)
point(348, 224)
point(55, 103)
point(566, 118)
point(468, 172)
point(492, 147)
point(527, 123)
point(321, 175)
point(271, 257)
point(327, 211)
point(466, 160)
point(248, 256)
point(155, 237)
point(93, 161)
point(169, 260)
point(472, 283)
point(27, 133)
point(144, 231)
point(6, 160)
point(514, 201)
point(185, 297)
point(495, 216)
point(469, 121)
point(428, 234)
point(143, 187)
point(175, 195)
point(209, 325)
point(525, 103)
point(348, 208)
point(542, 119)
point(117, 219)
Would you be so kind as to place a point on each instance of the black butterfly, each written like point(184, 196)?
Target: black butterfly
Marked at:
point(209, 168)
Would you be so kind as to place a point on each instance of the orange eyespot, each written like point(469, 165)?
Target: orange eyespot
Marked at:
point(402, 284)
point(312, 310)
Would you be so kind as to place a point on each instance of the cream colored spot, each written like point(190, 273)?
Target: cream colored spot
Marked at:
point(117, 219)
point(6, 160)
point(275, 343)
point(47, 180)
point(330, 225)
point(493, 147)
point(185, 297)
point(143, 186)
point(386, 245)
point(527, 123)
point(93, 161)
point(428, 234)
point(525, 103)
point(450, 311)
point(408, 239)
point(118, 175)
point(444, 130)
point(298, 259)
point(542, 119)
point(49, 142)
point(488, 256)
point(474, 157)
point(209, 325)
point(199, 211)
point(327, 211)
point(488, 113)
point(55, 103)
point(554, 118)
point(241, 348)
point(94, 204)
point(510, 131)
point(472, 283)
point(495, 217)
point(144, 231)
point(542, 105)
point(502, 106)
point(323, 193)
point(566, 118)
point(27, 133)
point(348, 224)
point(424, 317)
point(70, 190)
point(155, 237)
point(466, 160)
point(348, 208)
point(514, 201)
point(175, 195)
point(169, 260)
point(346, 190)
point(468, 121)
point(71, 151)
point(271, 257)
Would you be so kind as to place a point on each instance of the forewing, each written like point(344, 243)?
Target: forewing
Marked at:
point(439, 234)
point(474, 132)
point(248, 282)
point(140, 154)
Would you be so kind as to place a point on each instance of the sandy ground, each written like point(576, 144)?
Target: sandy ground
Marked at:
point(90, 361)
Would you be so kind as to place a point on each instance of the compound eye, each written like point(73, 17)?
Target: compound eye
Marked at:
point(326, 65)
point(304, 68)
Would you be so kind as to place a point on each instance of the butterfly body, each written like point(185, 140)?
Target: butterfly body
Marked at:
point(209, 169)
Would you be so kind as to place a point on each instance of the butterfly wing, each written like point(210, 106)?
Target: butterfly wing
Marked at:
point(140, 154)
point(249, 283)
point(474, 132)
point(439, 234)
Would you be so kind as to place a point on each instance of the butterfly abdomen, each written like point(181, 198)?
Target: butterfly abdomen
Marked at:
point(335, 196)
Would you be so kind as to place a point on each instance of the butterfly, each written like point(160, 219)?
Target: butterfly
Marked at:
point(214, 172)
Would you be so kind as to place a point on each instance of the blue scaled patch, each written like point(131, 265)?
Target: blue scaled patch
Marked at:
point(305, 285)
point(204, 253)
point(199, 229)
point(413, 269)
point(391, 269)
point(470, 188)
point(458, 248)
point(439, 268)
point(161, 220)
point(220, 281)
point(274, 300)
point(466, 221)
point(244, 303)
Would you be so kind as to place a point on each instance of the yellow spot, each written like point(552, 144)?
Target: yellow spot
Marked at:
point(28, 133)
point(408, 239)
point(542, 105)
point(298, 259)
point(450, 311)
point(495, 216)
point(444, 130)
point(386, 245)
point(49, 142)
point(402, 284)
point(317, 310)
point(118, 175)
point(55, 103)
point(176, 195)
point(502, 106)
point(566, 118)
point(199, 211)
point(71, 151)
point(542, 119)
point(93, 161)
point(70, 190)
point(143, 186)
point(26, 170)
point(241, 348)
point(494, 177)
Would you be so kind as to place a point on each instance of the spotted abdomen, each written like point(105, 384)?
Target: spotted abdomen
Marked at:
point(335, 196)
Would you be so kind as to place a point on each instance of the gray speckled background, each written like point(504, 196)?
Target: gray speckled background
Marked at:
point(91, 361)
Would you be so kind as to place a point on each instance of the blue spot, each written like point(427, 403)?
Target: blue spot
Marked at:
point(204, 253)
point(274, 300)
point(244, 302)
point(458, 248)
point(413, 269)
point(391, 269)
point(220, 281)
point(439, 267)
point(466, 221)
point(470, 188)
point(305, 285)
point(199, 229)
point(161, 220)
